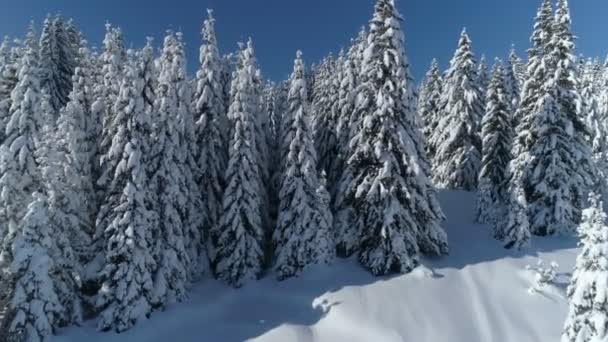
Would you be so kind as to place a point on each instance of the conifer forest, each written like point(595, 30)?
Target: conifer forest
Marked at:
point(127, 180)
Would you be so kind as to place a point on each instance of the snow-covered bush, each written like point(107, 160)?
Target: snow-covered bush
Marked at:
point(544, 275)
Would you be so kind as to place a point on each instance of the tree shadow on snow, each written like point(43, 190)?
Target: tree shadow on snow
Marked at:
point(215, 312)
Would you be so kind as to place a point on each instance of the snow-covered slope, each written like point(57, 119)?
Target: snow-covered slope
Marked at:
point(477, 294)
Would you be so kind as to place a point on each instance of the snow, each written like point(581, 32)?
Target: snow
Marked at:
point(479, 293)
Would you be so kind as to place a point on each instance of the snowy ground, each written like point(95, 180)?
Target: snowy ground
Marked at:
point(477, 294)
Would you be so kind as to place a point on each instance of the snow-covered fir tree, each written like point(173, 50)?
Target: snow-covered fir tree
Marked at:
point(58, 53)
point(76, 140)
point(516, 227)
point(561, 168)
point(127, 292)
point(456, 139)
point(590, 90)
point(8, 81)
point(105, 94)
point(169, 178)
point(429, 102)
point(208, 107)
point(588, 308)
point(325, 118)
point(192, 215)
point(551, 152)
point(19, 173)
point(513, 81)
point(303, 235)
point(240, 247)
point(388, 161)
point(496, 136)
point(483, 79)
point(42, 297)
point(112, 60)
point(536, 76)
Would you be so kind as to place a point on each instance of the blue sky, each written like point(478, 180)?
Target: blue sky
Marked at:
point(280, 27)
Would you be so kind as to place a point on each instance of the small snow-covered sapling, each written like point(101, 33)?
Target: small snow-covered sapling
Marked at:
point(543, 275)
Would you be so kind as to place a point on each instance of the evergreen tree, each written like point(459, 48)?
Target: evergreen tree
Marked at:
point(19, 174)
point(192, 215)
point(240, 246)
point(496, 135)
point(112, 61)
point(208, 110)
point(325, 118)
point(483, 79)
point(516, 228)
point(8, 81)
point(58, 53)
point(571, 179)
point(303, 233)
point(513, 81)
point(536, 76)
point(429, 103)
point(42, 299)
point(105, 95)
point(587, 291)
point(388, 161)
point(76, 140)
point(127, 292)
point(169, 178)
point(590, 90)
point(456, 140)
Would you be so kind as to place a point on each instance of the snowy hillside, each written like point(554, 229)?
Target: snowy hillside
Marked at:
point(477, 294)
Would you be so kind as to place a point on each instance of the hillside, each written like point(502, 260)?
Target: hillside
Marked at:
point(477, 294)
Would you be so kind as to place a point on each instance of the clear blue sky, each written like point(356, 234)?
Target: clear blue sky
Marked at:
point(280, 27)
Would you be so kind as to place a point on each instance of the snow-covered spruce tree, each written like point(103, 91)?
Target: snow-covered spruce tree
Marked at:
point(40, 300)
point(429, 103)
point(588, 308)
point(208, 107)
point(127, 292)
point(148, 72)
point(275, 118)
point(169, 180)
point(518, 65)
point(76, 140)
point(112, 60)
point(536, 75)
point(8, 80)
point(19, 173)
point(496, 135)
point(515, 229)
point(456, 139)
point(105, 94)
point(483, 80)
point(57, 59)
point(595, 120)
point(389, 203)
point(561, 165)
point(325, 96)
point(512, 82)
point(303, 235)
point(240, 247)
point(562, 169)
point(347, 82)
point(192, 214)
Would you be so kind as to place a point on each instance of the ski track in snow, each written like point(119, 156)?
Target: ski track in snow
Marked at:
point(479, 293)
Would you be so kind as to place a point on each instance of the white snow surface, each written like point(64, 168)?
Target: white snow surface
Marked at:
point(478, 293)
